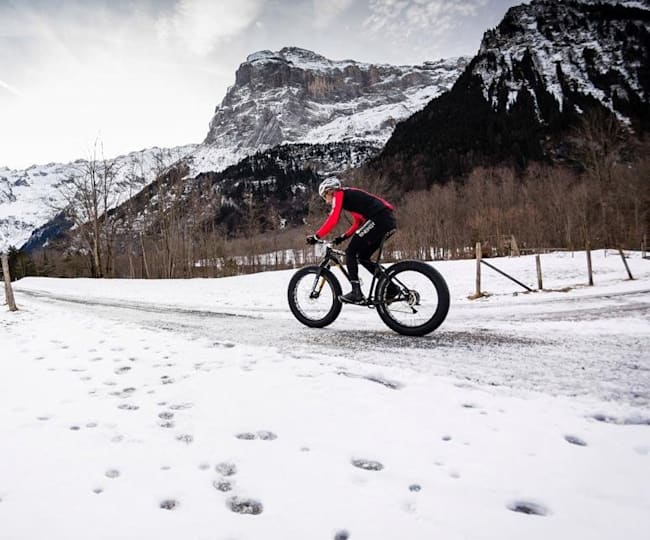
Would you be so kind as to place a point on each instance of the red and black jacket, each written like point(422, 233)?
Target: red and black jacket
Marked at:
point(362, 205)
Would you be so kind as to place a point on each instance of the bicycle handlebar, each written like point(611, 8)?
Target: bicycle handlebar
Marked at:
point(329, 245)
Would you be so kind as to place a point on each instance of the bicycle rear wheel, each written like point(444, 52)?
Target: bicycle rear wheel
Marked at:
point(422, 304)
point(313, 296)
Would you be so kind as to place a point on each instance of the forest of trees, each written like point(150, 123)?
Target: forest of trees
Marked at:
point(255, 217)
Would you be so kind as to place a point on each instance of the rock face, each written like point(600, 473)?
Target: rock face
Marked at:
point(568, 55)
point(535, 75)
point(298, 96)
point(279, 98)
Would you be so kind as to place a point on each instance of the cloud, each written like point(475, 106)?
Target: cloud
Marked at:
point(10, 89)
point(402, 17)
point(426, 28)
point(325, 11)
point(203, 24)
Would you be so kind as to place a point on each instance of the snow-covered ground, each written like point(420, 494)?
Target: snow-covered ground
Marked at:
point(165, 409)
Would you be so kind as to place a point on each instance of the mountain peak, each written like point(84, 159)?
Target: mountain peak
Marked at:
point(296, 57)
point(298, 96)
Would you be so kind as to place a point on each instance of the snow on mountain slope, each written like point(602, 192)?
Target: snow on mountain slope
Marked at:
point(297, 96)
point(31, 197)
point(587, 48)
point(290, 96)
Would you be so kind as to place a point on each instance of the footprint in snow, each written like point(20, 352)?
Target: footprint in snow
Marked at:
point(222, 485)
point(528, 507)
point(166, 415)
point(342, 535)
point(186, 438)
point(112, 473)
point(226, 468)
point(128, 407)
point(181, 406)
point(262, 435)
point(367, 465)
point(169, 504)
point(574, 440)
point(245, 506)
point(124, 393)
point(225, 344)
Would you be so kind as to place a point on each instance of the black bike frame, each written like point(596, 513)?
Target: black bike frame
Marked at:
point(331, 257)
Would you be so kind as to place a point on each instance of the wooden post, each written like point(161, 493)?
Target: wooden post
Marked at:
point(625, 263)
point(479, 254)
point(538, 264)
point(589, 269)
point(9, 293)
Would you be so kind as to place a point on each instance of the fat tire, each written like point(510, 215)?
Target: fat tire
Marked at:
point(441, 288)
point(334, 310)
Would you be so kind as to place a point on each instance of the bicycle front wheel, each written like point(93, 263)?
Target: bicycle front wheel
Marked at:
point(313, 296)
point(423, 300)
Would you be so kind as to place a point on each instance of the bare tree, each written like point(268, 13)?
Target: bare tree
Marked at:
point(599, 142)
point(89, 194)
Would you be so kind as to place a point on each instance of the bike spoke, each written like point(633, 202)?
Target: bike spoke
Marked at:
point(313, 297)
point(418, 302)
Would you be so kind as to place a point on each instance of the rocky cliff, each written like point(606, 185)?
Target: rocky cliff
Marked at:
point(535, 76)
point(297, 96)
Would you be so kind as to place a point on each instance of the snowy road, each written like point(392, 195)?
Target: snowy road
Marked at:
point(202, 409)
point(478, 343)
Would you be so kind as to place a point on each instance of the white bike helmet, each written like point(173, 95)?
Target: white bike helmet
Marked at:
point(328, 184)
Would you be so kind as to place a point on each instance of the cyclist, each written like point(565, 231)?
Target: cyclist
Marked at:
point(372, 220)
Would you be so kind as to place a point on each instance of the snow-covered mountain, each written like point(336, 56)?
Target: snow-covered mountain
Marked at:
point(31, 197)
point(297, 96)
point(279, 98)
point(534, 77)
point(580, 50)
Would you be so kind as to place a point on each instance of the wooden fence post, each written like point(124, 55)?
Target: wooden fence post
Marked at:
point(589, 269)
point(9, 293)
point(479, 255)
point(538, 264)
point(625, 263)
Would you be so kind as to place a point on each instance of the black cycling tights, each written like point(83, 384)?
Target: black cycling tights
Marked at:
point(365, 241)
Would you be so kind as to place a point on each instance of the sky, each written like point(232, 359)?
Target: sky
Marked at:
point(136, 74)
